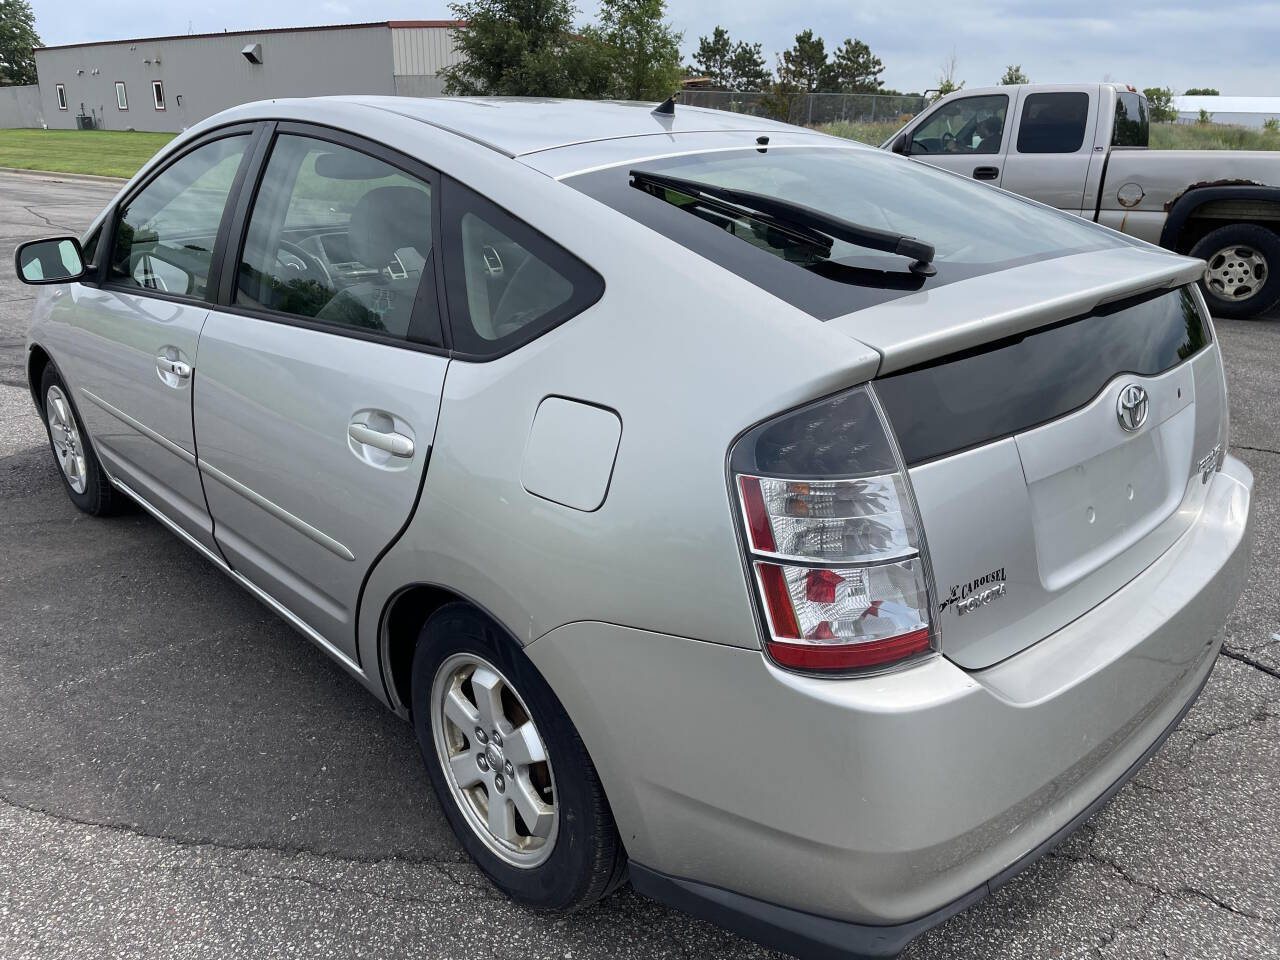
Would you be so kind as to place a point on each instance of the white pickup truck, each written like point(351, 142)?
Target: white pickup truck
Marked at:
point(1082, 148)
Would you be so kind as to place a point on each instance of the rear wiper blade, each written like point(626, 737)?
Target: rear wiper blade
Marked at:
point(798, 217)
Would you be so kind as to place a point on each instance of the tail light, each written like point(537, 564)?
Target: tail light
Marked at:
point(833, 539)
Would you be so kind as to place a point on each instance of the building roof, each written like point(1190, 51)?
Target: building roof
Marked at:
point(1228, 104)
point(392, 24)
point(520, 125)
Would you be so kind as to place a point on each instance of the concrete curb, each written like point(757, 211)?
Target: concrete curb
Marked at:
point(53, 174)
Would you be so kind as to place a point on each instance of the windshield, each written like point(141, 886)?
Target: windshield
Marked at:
point(974, 229)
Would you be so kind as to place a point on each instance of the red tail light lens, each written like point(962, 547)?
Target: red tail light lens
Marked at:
point(833, 538)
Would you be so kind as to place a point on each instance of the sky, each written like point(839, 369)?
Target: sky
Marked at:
point(1234, 47)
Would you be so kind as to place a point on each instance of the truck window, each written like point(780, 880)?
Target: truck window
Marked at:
point(1053, 122)
point(969, 125)
point(1132, 127)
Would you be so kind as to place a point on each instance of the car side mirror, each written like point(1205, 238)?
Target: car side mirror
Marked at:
point(53, 260)
point(899, 144)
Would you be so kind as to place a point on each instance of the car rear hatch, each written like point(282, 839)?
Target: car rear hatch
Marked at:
point(1060, 422)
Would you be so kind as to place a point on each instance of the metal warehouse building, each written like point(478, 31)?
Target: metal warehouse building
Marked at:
point(170, 83)
point(1242, 111)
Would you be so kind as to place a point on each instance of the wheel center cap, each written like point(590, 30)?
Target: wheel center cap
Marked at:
point(494, 756)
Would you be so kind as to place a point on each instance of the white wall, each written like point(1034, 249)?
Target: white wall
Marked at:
point(20, 106)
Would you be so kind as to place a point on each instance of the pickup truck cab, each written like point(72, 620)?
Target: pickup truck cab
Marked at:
point(1082, 148)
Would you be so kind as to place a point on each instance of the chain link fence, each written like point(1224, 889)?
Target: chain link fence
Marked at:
point(810, 109)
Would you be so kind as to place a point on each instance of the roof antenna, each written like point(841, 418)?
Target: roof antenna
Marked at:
point(667, 107)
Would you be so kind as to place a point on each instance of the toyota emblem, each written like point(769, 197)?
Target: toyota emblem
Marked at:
point(1131, 407)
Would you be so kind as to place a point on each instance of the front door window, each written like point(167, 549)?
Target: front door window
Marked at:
point(972, 125)
point(165, 234)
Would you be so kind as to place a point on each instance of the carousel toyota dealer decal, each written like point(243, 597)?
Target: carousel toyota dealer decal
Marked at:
point(967, 597)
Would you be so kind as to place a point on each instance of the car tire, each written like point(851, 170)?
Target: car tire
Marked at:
point(562, 864)
point(82, 475)
point(1242, 258)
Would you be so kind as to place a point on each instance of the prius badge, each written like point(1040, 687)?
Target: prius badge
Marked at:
point(1131, 407)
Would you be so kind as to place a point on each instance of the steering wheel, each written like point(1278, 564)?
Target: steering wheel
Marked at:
point(300, 264)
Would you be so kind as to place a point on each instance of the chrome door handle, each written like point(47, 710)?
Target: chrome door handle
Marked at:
point(396, 444)
point(178, 368)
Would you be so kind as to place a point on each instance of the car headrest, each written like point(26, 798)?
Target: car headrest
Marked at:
point(387, 219)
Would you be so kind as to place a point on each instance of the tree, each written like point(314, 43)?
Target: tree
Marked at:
point(644, 49)
point(525, 48)
point(747, 69)
point(947, 77)
point(805, 65)
point(1160, 104)
point(1205, 117)
point(854, 69)
point(1013, 76)
point(1202, 92)
point(17, 38)
point(784, 98)
point(714, 57)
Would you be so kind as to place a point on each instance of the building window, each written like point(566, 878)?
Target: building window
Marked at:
point(157, 94)
point(122, 99)
point(62, 96)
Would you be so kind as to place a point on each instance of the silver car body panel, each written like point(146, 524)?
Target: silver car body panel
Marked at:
point(299, 507)
point(1058, 179)
point(1160, 177)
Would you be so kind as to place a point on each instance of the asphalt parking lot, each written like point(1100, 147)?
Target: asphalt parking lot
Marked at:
point(182, 775)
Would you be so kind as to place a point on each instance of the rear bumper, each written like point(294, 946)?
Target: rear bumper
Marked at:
point(823, 938)
point(860, 812)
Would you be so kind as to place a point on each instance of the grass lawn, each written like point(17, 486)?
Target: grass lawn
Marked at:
point(107, 153)
point(1164, 136)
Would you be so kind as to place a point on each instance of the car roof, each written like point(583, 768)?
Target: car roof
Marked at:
point(516, 126)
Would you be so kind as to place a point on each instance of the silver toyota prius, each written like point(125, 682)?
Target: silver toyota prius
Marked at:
point(809, 536)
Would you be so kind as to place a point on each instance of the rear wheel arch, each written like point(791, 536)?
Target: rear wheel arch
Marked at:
point(1200, 210)
point(403, 618)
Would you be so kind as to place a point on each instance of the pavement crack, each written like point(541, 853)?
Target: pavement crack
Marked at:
point(287, 850)
point(1241, 446)
point(1249, 661)
point(40, 216)
point(1182, 892)
point(1196, 892)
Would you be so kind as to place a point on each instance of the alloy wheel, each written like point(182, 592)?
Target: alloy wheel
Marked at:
point(494, 759)
point(64, 433)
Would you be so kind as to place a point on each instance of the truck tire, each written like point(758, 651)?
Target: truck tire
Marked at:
point(1243, 275)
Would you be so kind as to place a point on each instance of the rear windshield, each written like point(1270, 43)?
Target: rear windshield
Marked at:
point(974, 229)
point(1003, 388)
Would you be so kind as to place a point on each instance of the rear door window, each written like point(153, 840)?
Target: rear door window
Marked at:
point(507, 283)
point(1053, 122)
point(339, 237)
point(1132, 127)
